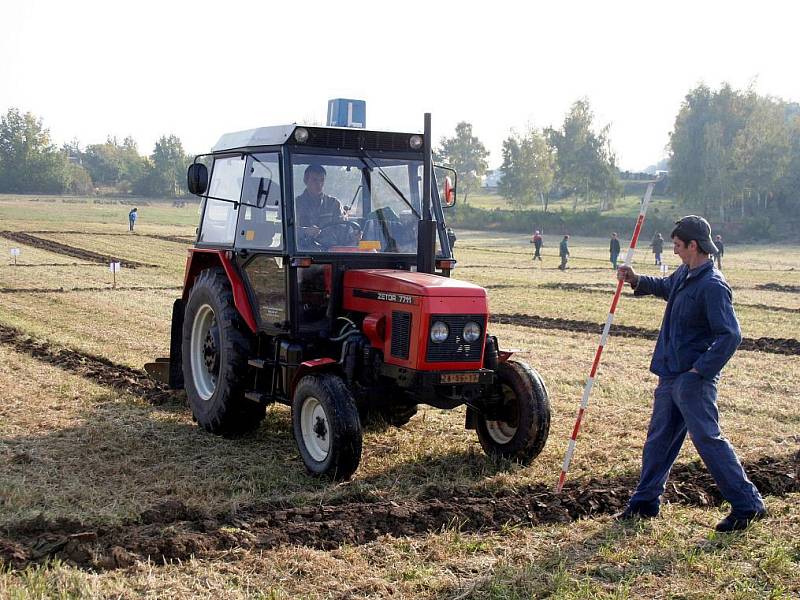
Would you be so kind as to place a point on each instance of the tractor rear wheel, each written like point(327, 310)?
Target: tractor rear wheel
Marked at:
point(326, 426)
point(216, 347)
point(521, 430)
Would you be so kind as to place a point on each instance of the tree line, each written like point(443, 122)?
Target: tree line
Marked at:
point(733, 155)
point(31, 163)
point(573, 160)
point(736, 155)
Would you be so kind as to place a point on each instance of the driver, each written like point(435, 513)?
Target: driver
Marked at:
point(314, 208)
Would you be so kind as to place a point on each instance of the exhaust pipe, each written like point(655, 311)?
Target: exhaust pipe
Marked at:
point(426, 233)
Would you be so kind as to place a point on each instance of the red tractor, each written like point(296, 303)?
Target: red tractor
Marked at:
point(320, 279)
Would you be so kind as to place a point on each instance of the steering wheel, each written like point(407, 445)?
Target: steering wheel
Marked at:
point(343, 233)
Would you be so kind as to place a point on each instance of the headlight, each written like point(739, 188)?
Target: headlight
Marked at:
point(301, 135)
point(472, 332)
point(439, 332)
point(415, 141)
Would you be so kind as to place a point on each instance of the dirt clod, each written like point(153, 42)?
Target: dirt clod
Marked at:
point(171, 530)
point(96, 368)
point(58, 248)
point(788, 346)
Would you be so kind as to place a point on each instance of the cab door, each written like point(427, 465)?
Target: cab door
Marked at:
point(260, 239)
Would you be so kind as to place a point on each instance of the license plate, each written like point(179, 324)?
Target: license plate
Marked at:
point(459, 378)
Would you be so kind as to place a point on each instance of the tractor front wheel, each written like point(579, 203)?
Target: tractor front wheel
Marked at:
point(216, 347)
point(326, 426)
point(519, 429)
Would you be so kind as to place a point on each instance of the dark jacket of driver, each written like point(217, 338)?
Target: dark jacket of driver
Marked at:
point(318, 212)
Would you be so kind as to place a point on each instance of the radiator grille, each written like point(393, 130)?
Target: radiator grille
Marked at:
point(401, 333)
point(454, 348)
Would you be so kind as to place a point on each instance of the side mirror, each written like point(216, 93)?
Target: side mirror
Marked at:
point(449, 192)
point(447, 189)
point(197, 178)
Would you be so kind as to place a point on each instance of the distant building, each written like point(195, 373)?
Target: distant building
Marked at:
point(492, 179)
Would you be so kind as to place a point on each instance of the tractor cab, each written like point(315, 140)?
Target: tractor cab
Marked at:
point(298, 206)
point(320, 279)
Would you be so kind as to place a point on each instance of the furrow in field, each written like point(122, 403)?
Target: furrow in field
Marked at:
point(172, 531)
point(96, 368)
point(58, 248)
point(788, 346)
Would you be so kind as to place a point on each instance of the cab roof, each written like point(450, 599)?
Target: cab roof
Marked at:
point(260, 136)
point(329, 137)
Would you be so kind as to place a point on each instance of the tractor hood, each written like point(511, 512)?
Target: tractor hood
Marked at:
point(406, 282)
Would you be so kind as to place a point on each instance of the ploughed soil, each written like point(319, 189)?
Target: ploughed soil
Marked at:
point(777, 287)
point(606, 289)
point(95, 368)
point(58, 248)
point(180, 239)
point(789, 346)
point(172, 531)
point(72, 264)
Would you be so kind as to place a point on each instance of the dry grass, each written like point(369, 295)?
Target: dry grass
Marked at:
point(71, 448)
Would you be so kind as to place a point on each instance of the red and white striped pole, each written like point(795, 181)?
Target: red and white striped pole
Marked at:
point(603, 339)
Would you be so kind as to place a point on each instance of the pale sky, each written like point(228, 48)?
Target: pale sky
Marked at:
point(200, 69)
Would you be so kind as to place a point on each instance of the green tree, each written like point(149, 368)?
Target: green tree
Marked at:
point(78, 180)
point(114, 164)
point(466, 154)
point(29, 162)
point(104, 163)
point(703, 161)
point(584, 159)
point(789, 187)
point(762, 152)
point(528, 168)
point(170, 162)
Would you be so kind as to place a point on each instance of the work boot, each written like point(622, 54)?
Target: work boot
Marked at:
point(638, 511)
point(736, 521)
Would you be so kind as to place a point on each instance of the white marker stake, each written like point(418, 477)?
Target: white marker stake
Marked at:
point(603, 339)
point(114, 267)
point(15, 252)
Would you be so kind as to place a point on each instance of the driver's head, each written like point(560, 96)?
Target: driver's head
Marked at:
point(314, 178)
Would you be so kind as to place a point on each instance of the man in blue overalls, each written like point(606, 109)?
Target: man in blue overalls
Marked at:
point(699, 334)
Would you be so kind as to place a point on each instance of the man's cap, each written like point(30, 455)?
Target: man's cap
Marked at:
point(697, 228)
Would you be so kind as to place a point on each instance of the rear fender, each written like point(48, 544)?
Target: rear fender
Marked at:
point(201, 259)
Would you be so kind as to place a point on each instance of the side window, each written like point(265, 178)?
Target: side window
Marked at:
point(219, 218)
point(261, 227)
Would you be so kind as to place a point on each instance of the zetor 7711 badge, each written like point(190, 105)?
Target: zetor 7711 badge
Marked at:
point(320, 279)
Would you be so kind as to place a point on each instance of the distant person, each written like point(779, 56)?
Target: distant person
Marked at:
point(658, 247)
point(132, 218)
point(613, 250)
point(536, 240)
point(699, 334)
point(451, 237)
point(563, 252)
point(719, 252)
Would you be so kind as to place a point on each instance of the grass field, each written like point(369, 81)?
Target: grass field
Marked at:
point(99, 484)
point(627, 205)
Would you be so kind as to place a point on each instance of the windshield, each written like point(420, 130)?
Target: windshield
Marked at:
point(356, 203)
